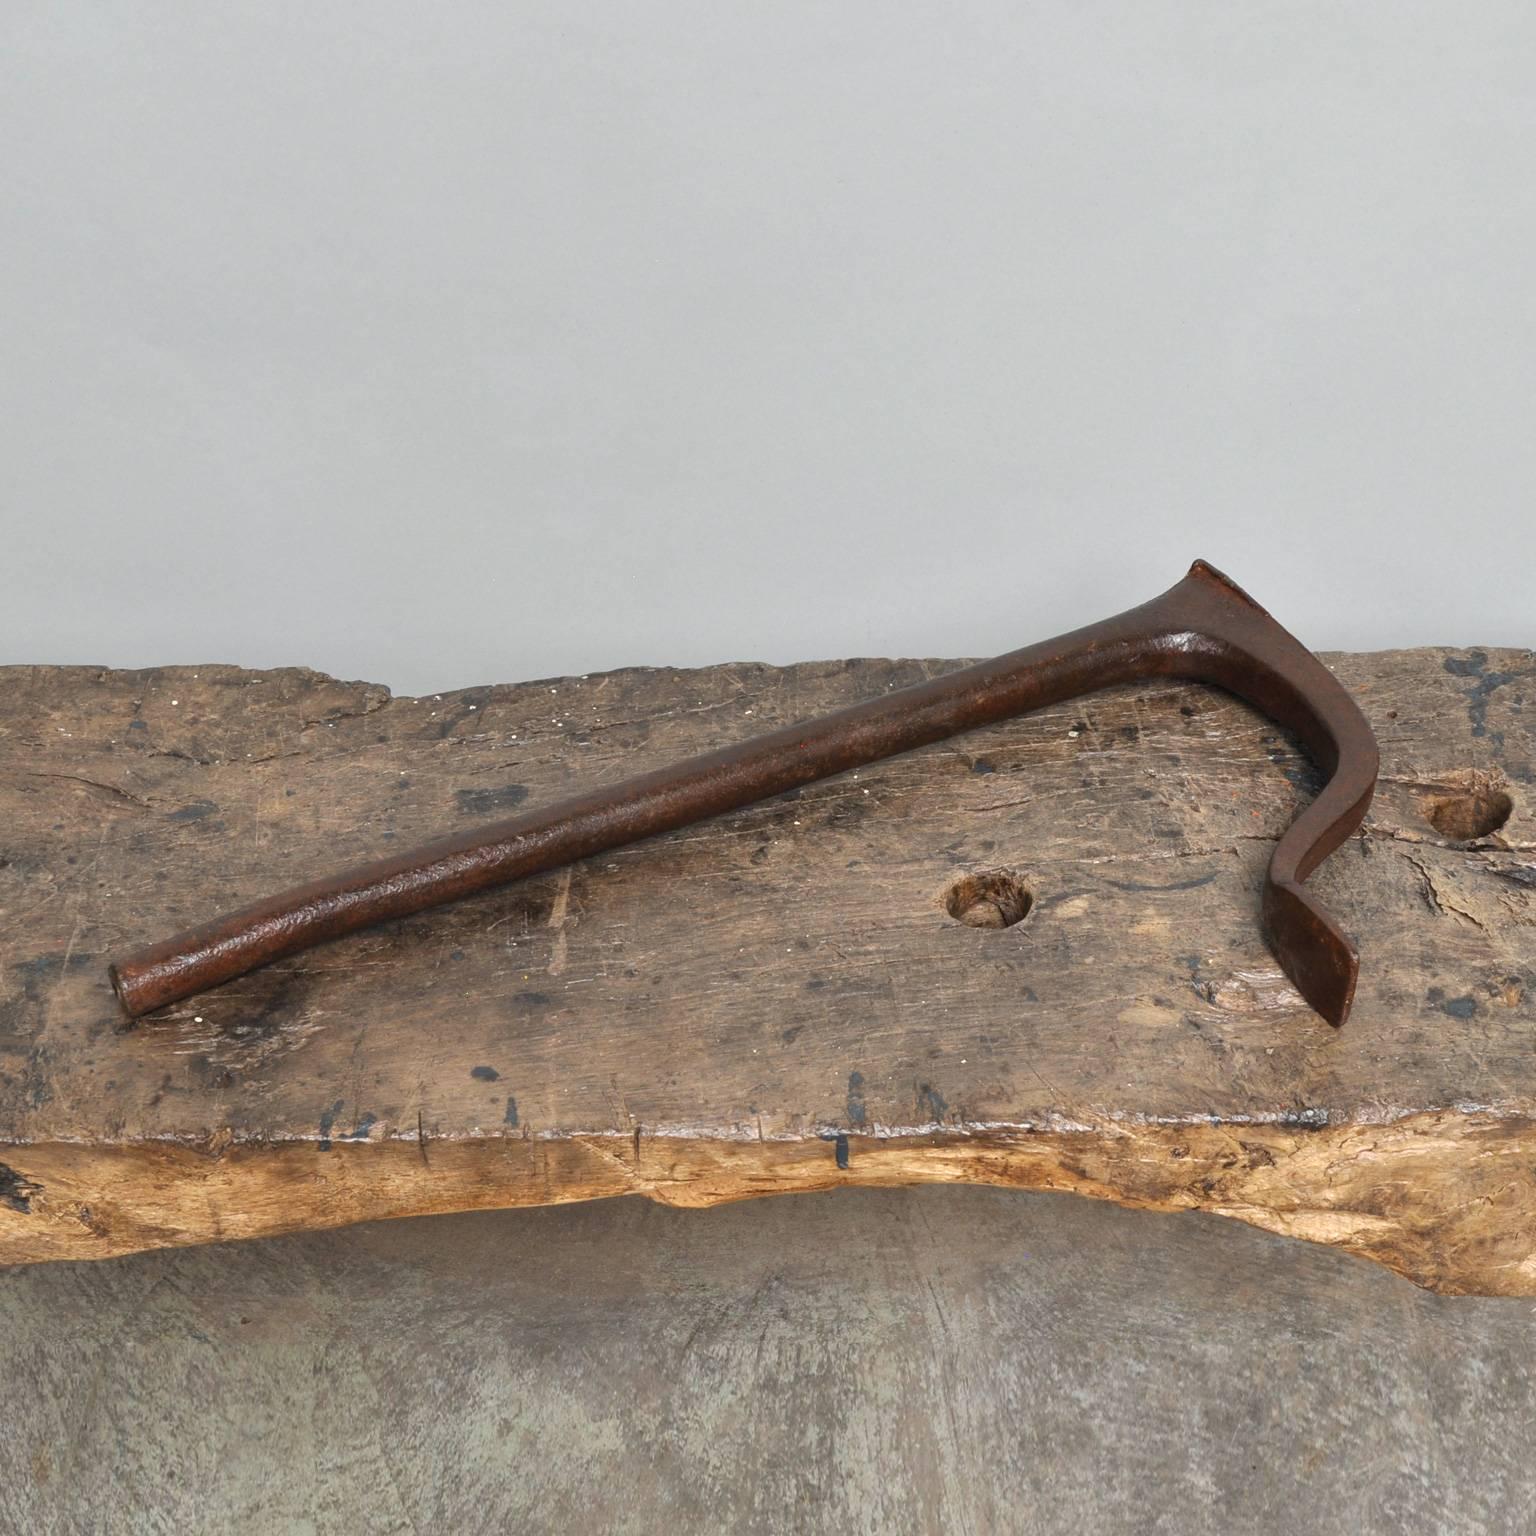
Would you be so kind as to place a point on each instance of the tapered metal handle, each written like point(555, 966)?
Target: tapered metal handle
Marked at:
point(1204, 628)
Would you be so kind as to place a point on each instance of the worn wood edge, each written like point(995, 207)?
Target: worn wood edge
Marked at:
point(1446, 1198)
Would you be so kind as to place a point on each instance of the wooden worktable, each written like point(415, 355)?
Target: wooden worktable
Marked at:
point(781, 999)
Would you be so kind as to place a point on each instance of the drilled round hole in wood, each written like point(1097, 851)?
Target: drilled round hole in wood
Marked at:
point(991, 898)
point(1464, 817)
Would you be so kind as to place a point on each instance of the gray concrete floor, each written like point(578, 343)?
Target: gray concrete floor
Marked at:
point(880, 1360)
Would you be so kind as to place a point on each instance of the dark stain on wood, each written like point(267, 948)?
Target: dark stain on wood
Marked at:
point(856, 1111)
point(16, 1191)
point(327, 1122)
point(490, 802)
point(1192, 884)
point(1463, 1007)
point(196, 810)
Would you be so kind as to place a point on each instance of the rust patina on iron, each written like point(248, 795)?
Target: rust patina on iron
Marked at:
point(1204, 629)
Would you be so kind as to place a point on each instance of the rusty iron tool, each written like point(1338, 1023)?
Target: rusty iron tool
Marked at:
point(1205, 628)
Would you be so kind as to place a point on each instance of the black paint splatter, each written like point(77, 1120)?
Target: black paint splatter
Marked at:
point(485, 1074)
point(511, 1115)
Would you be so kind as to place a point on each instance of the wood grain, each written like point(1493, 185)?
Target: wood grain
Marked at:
point(780, 999)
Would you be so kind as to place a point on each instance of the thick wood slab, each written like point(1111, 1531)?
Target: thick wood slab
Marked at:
point(779, 1000)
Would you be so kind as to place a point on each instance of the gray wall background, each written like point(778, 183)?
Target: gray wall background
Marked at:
point(440, 345)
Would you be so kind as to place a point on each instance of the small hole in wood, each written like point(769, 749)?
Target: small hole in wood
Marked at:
point(1464, 817)
point(991, 898)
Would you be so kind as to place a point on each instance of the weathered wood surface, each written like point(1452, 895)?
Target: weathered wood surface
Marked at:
point(778, 1000)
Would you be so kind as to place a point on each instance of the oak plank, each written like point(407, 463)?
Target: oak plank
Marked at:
point(779, 999)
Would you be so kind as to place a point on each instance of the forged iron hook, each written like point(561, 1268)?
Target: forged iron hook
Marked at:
point(1204, 629)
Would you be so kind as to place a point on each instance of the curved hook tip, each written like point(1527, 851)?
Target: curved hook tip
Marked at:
point(1312, 951)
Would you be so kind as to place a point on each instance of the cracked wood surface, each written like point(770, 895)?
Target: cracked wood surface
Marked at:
point(779, 999)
